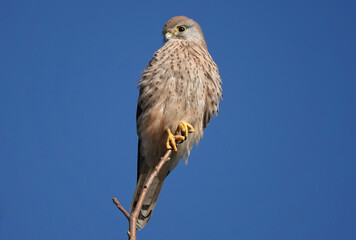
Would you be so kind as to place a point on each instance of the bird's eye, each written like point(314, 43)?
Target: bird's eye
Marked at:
point(181, 28)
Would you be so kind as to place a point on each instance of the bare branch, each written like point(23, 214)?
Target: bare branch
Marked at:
point(136, 212)
point(121, 208)
point(134, 215)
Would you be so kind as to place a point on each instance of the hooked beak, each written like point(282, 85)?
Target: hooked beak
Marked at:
point(168, 36)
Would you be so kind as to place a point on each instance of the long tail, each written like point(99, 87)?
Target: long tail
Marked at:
point(151, 198)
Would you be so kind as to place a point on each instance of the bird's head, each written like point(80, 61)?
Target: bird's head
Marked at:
point(181, 27)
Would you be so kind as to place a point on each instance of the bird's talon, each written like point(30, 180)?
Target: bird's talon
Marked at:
point(172, 140)
point(185, 128)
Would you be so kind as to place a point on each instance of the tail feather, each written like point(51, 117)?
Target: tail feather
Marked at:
point(150, 200)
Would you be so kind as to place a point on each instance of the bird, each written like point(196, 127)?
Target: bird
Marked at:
point(179, 92)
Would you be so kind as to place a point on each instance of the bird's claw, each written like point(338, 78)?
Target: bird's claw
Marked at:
point(185, 128)
point(172, 140)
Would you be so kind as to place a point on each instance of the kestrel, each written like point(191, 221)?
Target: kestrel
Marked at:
point(180, 90)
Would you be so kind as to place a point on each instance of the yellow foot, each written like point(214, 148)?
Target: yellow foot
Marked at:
point(185, 128)
point(172, 140)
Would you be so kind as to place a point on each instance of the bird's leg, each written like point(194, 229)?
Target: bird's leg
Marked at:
point(172, 140)
point(185, 128)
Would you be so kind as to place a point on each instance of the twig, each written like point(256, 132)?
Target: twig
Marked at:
point(121, 208)
point(134, 215)
point(136, 212)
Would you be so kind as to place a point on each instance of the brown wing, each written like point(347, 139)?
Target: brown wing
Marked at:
point(143, 172)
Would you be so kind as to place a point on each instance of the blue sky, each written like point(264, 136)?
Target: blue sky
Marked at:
point(278, 162)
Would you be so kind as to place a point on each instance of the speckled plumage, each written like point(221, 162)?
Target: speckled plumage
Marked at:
point(180, 83)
